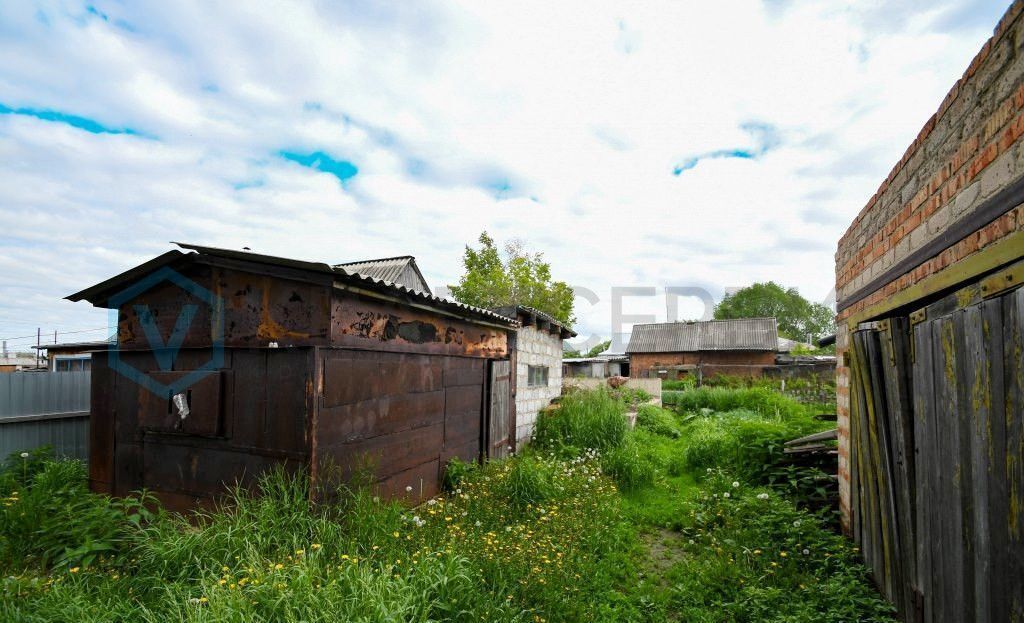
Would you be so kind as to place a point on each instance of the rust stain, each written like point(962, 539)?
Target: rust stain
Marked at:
point(270, 329)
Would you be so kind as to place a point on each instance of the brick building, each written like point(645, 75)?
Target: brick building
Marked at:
point(928, 343)
point(674, 350)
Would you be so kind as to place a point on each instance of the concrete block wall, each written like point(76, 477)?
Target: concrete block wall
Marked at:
point(966, 152)
point(535, 347)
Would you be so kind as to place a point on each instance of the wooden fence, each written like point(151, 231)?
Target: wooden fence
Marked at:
point(937, 457)
point(45, 408)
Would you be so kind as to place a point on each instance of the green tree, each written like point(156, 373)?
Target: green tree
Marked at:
point(600, 348)
point(798, 318)
point(520, 278)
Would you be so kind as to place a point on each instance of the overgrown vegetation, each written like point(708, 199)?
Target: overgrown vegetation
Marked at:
point(594, 522)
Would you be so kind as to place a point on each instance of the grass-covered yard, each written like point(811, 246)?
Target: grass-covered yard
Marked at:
point(682, 519)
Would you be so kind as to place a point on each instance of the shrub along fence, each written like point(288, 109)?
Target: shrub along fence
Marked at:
point(45, 408)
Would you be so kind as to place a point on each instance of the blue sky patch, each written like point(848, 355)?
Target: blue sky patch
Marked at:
point(765, 136)
point(320, 161)
point(75, 121)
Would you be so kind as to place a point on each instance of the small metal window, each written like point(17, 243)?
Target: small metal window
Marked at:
point(537, 376)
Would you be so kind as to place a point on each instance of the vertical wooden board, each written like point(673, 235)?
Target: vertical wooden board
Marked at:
point(891, 561)
point(948, 464)
point(871, 535)
point(963, 367)
point(925, 451)
point(996, 508)
point(976, 396)
point(1013, 339)
point(499, 414)
point(895, 372)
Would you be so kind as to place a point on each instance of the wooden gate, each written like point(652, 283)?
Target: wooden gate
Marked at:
point(937, 456)
point(499, 411)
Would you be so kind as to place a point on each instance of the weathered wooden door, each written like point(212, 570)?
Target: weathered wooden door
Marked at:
point(969, 384)
point(937, 456)
point(499, 411)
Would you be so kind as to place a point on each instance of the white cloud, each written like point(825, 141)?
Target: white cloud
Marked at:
point(582, 109)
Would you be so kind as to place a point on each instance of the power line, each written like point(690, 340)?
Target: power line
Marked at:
point(33, 336)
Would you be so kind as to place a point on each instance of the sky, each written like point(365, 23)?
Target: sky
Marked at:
point(654, 145)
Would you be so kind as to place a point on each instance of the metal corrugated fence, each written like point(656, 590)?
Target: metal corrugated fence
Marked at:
point(45, 408)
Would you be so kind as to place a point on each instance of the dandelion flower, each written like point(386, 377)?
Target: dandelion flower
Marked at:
point(408, 489)
point(725, 495)
point(735, 484)
point(24, 455)
point(72, 569)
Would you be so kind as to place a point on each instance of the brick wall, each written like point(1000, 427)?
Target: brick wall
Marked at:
point(968, 151)
point(535, 348)
point(722, 362)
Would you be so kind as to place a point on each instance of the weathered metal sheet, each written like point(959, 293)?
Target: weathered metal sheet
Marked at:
point(38, 409)
point(241, 309)
point(399, 417)
point(360, 322)
point(257, 407)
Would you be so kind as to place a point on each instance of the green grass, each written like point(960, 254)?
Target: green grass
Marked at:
point(585, 420)
point(592, 523)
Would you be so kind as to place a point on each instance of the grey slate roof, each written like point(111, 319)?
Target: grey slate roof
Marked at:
point(681, 337)
point(401, 270)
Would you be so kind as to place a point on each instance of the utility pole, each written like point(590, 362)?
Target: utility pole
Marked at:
point(39, 339)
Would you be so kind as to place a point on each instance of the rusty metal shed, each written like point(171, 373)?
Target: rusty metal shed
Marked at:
point(280, 361)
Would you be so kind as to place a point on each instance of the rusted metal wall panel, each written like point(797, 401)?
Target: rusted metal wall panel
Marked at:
point(248, 417)
point(400, 417)
point(101, 425)
point(361, 322)
point(251, 309)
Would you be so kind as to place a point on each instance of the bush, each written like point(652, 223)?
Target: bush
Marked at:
point(753, 556)
point(457, 471)
point(583, 420)
point(682, 384)
point(50, 518)
point(760, 400)
point(658, 421)
point(528, 481)
point(632, 465)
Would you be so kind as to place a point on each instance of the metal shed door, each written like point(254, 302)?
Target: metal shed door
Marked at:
point(499, 410)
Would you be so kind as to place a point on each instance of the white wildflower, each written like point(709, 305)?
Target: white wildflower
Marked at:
point(24, 455)
point(725, 495)
point(408, 489)
point(735, 484)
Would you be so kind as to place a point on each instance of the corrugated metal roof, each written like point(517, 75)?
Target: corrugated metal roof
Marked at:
point(390, 269)
point(677, 337)
point(99, 293)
